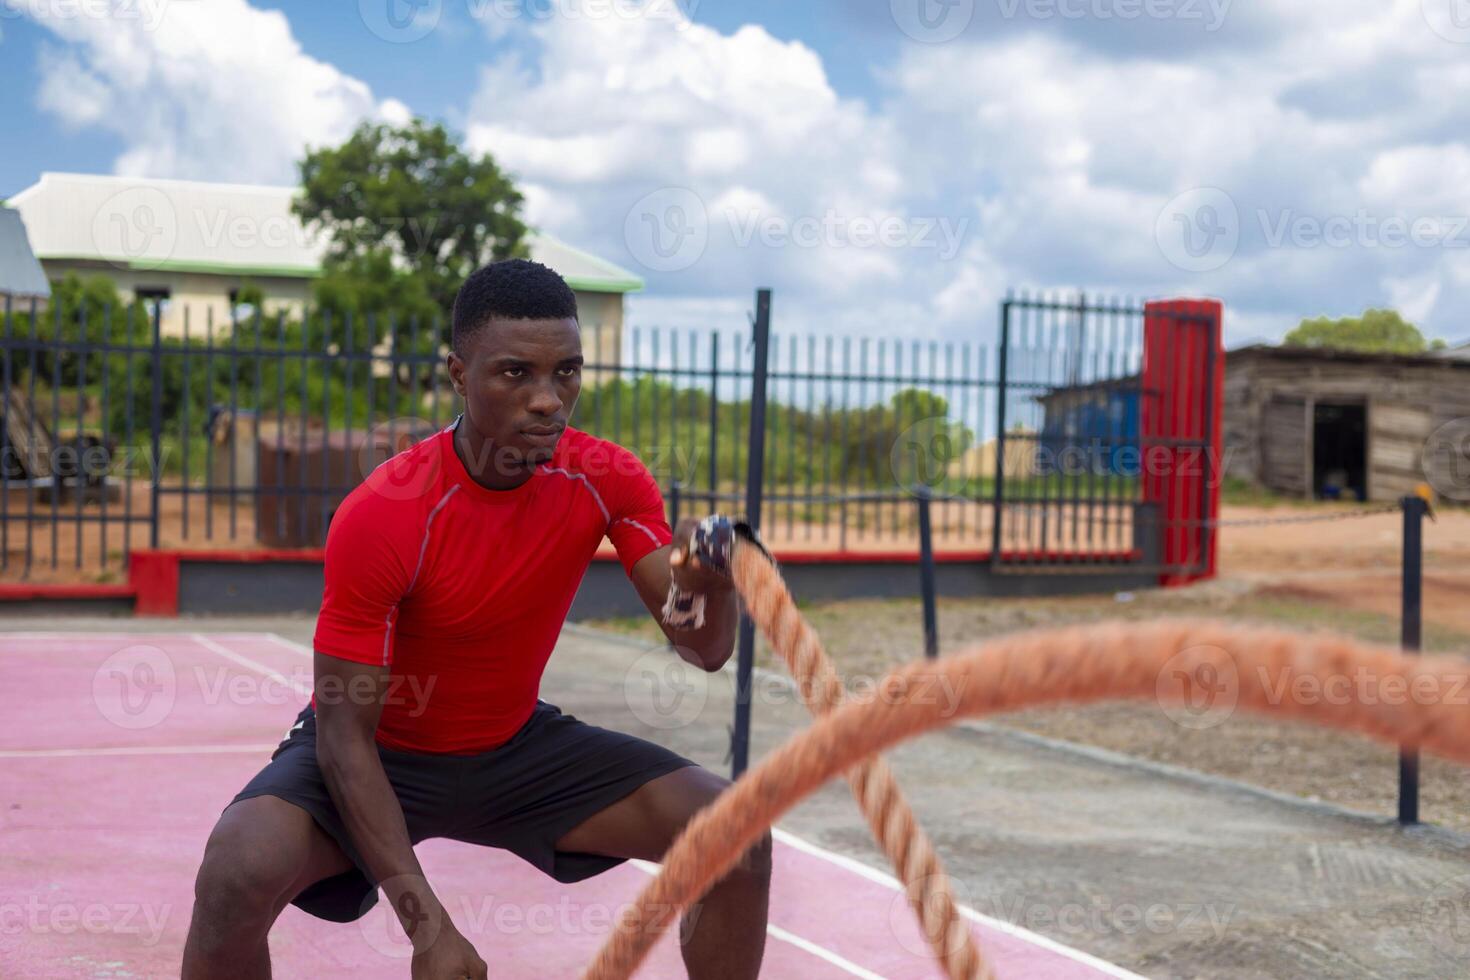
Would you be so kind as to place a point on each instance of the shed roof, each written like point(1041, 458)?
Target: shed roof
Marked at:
point(1332, 355)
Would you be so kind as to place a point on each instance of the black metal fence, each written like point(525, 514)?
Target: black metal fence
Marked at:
point(248, 434)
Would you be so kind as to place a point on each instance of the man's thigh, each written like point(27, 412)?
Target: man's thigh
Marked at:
point(644, 824)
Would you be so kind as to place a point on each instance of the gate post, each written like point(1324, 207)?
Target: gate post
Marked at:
point(997, 506)
point(1183, 381)
point(754, 482)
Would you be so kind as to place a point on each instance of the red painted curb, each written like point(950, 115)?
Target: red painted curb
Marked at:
point(22, 592)
point(153, 576)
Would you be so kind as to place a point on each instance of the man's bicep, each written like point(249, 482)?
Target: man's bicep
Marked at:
point(349, 695)
point(364, 579)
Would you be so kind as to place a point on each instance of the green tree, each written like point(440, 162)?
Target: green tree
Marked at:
point(1376, 331)
point(407, 214)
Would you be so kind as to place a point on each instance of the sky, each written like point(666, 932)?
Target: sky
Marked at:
point(887, 167)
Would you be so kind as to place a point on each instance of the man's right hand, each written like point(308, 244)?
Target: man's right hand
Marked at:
point(449, 956)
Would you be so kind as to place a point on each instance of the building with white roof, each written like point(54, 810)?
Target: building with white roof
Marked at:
point(189, 245)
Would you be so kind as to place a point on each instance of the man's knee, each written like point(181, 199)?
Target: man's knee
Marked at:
point(245, 871)
point(756, 862)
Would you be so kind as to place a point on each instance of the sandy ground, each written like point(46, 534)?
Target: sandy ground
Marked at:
point(1353, 563)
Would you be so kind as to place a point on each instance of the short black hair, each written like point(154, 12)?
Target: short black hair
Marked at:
point(512, 289)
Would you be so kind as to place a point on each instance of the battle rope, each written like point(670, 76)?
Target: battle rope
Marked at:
point(894, 826)
point(734, 550)
point(1076, 664)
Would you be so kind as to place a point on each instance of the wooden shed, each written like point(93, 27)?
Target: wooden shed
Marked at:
point(1331, 423)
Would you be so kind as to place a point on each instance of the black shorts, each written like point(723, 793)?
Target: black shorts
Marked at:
point(522, 796)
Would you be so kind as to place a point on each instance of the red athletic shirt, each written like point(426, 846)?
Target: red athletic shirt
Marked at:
point(465, 588)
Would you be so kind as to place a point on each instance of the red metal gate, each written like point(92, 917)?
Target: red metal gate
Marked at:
point(1179, 437)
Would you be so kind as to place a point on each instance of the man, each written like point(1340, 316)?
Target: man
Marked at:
point(449, 573)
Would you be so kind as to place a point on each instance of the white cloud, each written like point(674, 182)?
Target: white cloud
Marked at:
point(791, 183)
point(217, 90)
point(1048, 148)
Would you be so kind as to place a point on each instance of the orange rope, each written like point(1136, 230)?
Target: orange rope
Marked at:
point(889, 816)
point(1078, 664)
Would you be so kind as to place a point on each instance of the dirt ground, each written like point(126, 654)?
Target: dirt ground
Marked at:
point(1341, 576)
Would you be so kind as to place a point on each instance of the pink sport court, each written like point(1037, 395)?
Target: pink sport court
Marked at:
point(118, 760)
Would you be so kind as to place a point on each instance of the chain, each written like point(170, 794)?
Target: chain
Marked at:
point(1305, 519)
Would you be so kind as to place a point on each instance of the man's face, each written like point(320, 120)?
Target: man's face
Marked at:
point(519, 380)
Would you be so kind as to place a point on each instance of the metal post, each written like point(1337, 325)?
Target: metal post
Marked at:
point(714, 421)
point(1000, 432)
point(156, 422)
point(926, 575)
point(1410, 637)
point(754, 475)
point(674, 504)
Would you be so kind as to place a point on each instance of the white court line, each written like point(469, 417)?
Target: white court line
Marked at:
point(138, 750)
point(300, 687)
point(291, 645)
point(805, 945)
point(84, 635)
point(999, 925)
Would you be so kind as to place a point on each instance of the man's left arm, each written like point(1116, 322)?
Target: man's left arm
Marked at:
point(711, 644)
